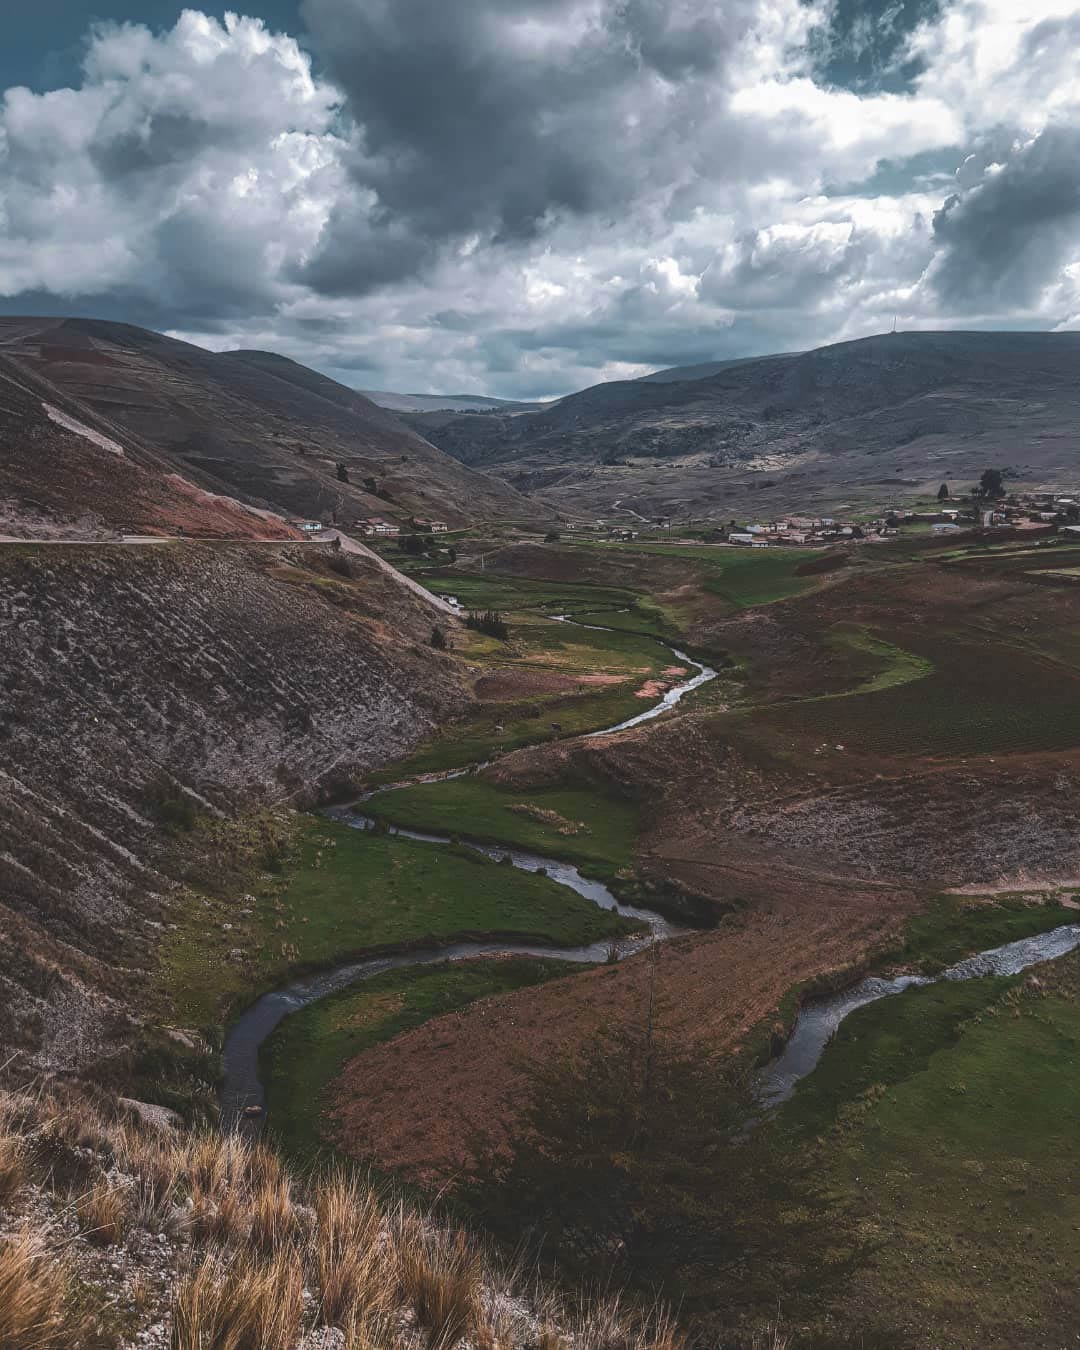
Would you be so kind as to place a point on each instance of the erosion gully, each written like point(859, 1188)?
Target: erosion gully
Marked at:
point(817, 1021)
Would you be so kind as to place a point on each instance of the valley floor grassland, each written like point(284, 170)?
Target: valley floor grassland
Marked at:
point(578, 825)
point(601, 678)
point(309, 1050)
point(342, 892)
point(742, 576)
point(982, 695)
point(947, 1115)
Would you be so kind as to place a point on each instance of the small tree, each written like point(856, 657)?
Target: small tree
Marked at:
point(342, 473)
point(451, 554)
point(943, 492)
point(552, 537)
point(991, 484)
point(438, 639)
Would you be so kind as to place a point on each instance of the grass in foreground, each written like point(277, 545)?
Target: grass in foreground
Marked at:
point(261, 1258)
point(308, 1051)
point(956, 1108)
point(573, 824)
point(346, 891)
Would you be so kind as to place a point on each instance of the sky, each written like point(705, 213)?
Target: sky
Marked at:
point(524, 197)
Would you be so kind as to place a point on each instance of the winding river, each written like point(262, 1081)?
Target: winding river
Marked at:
point(815, 1025)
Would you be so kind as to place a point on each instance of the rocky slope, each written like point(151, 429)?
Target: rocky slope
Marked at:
point(142, 682)
point(792, 431)
point(250, 425)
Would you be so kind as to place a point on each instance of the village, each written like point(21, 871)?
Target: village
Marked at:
point(1030, 513)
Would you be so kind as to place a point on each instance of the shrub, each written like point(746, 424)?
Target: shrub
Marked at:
point(170, 806)
point(438, 639)
point(633, 1160)
point(339, 562)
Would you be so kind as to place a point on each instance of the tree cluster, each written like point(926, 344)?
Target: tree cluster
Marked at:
point(490, 622)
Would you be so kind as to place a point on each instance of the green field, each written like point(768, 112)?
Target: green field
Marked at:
point(982, 696)
point(343, 892)
point(308, 1050)
point(742, 576)
point(489, 590)
point(883, 666)
point(604, 828)
point(951, 1120)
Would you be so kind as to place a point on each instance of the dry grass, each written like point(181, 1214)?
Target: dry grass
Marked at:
point(441, 1278)
point(253, 1245)
point(104, 1212)
point(13, 1173)
point(274, 1222)
point(33, 1294)
point(351, 1255)
point(239, 1303)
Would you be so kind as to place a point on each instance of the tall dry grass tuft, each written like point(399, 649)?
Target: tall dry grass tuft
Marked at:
point(440, 1274)
point(274, 1222)
point(33, 1294)
point(13, 1168)
point(104, 1212)
point(353, 1260)
point(608, 1323)
point(240, 1303)
point(220, 1217)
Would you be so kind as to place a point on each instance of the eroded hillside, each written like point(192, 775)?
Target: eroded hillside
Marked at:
point(255, 425)
point(143, 683)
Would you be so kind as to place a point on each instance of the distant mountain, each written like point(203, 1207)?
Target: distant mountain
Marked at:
point(250, 426)
point(445, 402)
point(857, 419)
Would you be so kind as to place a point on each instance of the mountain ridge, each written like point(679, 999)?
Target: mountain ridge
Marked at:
point(251, 426)
point(817, 424)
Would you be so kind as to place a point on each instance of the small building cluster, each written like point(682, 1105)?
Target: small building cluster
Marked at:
point(377, 526)
point(803, 530)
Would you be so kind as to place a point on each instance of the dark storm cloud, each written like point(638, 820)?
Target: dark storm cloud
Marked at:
point(494, 116)
point(1004, 239)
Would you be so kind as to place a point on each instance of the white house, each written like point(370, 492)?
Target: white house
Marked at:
point(740, 538)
